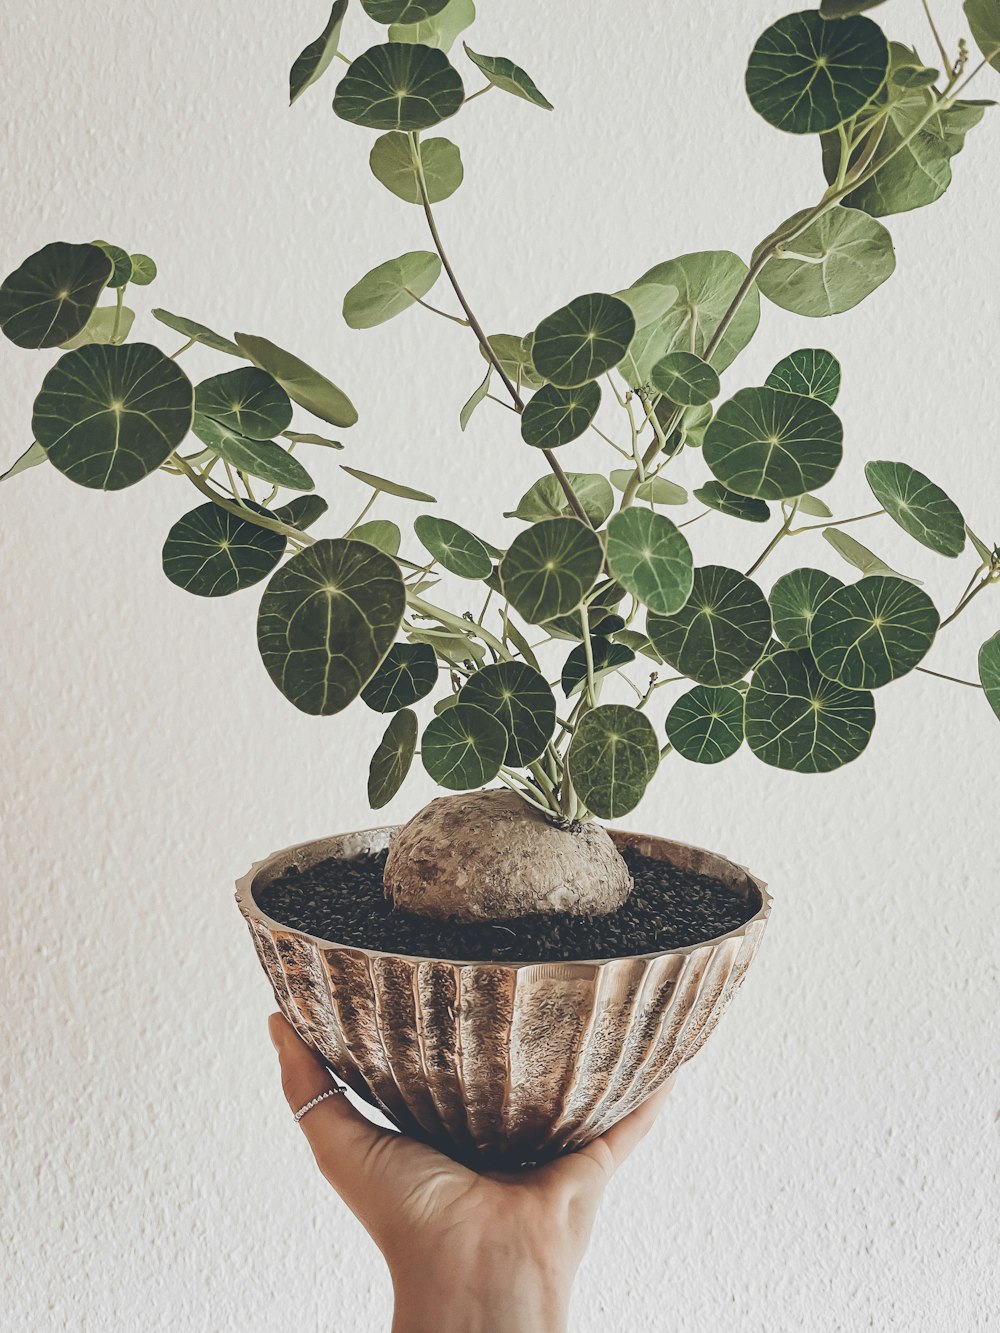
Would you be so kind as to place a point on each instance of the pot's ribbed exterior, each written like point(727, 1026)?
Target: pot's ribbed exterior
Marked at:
point(502, 1063)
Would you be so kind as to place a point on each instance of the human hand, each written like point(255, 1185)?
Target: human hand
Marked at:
point(467, 1252)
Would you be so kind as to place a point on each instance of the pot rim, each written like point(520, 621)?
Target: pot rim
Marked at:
point(250, 908)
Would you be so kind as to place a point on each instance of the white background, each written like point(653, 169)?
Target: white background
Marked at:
point(830, 1161)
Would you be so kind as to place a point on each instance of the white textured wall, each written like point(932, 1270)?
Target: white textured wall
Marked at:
point(830, 1161)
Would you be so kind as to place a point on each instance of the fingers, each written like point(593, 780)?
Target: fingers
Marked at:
point(612, 1148)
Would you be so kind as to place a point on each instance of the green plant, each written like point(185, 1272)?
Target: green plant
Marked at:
point(600, 573)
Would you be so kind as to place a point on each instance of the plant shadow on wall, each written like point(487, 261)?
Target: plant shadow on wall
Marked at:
point(598, 591)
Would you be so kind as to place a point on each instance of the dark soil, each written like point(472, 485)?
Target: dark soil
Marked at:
point(343, 901)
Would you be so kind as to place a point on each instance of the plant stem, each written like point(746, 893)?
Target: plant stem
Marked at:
point(240, 510)
point(371, 500)
point(472, 96)
point(834, 522)
point(972, 684)
point(119, 303)
point(425, 608)
point(782, 532)
point(588, 652)
point(964, 601)
point(937, 36)
point(457, 319)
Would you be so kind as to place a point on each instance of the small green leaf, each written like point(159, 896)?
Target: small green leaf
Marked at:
point(402, 11)
point(985, 554)
point(795, 598)
point(297, 437)
point(51, 296)
point(380, 533)
point(327, 619)
point(554, 416)
point(463, 747)
point(399, 86)
point(519, 698)
point(836, 262)
point(449, 646)
point(984, 24)
point(705, 725)
point(613, 756)
point(651, 559)
point(607, 655)
point(919, 507)
point(872, 632)
point(806, 75)
point(546, 499)
point(391, 162)
point(248, 401)
point(390, 289)
point(720, 633)
point(304, 386)
point(655, 490)
point(811, 504)
point(191, 329)
point(313, 62)
point(389, 487)
point(511, 78)
point(465, 416)
point(212, 553)
point(409, 672)
point(392, 759)
point(303, 512)
point(106, 324)
point(550, 567)
point(771, 444)
point(108, 416)
point(797, 719)
point(989, 671)
point(583, 339)
point(859, 556)
point(514, 355)
point(811, 371)
point(32, 456)
point(453, 547)
point(716, 496)
point(685, 379)
point(259, 458)
point(121, 264)
point(143, 270)
point(441, 29)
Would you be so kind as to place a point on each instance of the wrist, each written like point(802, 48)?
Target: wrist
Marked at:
point(498, 1294)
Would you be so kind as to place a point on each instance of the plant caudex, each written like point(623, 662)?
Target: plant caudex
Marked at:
point(600, 584)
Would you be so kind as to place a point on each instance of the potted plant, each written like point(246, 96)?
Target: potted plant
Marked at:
point(503, 974)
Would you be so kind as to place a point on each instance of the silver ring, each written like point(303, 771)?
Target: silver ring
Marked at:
point(330, 1092)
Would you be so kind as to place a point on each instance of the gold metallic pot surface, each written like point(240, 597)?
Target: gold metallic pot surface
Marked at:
point(499, 1064)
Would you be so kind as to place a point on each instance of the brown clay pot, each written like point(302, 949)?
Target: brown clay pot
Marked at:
point(499, 1064)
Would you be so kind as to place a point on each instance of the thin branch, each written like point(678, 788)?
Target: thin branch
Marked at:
point(972, 684)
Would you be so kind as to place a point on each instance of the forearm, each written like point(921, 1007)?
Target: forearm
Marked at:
point(488, 1299)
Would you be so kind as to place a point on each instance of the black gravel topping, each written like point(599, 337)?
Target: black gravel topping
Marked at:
point(343, 901)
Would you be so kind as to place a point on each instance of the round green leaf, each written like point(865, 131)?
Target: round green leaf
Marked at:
point(546, 498)
point(989, 671)
point(49, 299)
point(392, 759)
point(613, 756)
point(582, 340)
point(811, 371)
point(836, 262)
point(840, 9)
point(797, 719)
point(199, 333)
point(872, 632)
point(258, 458)
point(121, 264)
point(771, 445)
point(249, 401)
point(554, 416)
point(327, 619)
point(454, 547)
point(143, 270)
point(388, 487)
point(705, 725)
point(550, 567)
point(391, 163)
point(390, 289)
point(380, 533)
point(715, 496)
point(795, 598)
point(211, 553)
point(399, 86)
point(304, 386)
point(918, 506)
point(504, 74)
point(402, 11)
point(607, 655)
point(315, 59)
point(685, 379)
point(519, 698)
point(651, 559)
point(463, 747)
point(807, 74)
point(441, 29)
point(108, 416)
point(409, 671)
point(303, 512)
point(720, 632)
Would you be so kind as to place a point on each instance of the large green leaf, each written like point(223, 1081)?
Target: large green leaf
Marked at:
point(402, 11)
point(108, 416)
point(613, 756)
point(872, 632)
point(453, 547)
point(199, 333)
point(303, 512)
point(984, 23)
point(511, 78)
point(391, 288)
point(51, 296)
point(313, 62)
point(304, 386)
point(705, 725)
point(583, 339)
point(841, 9)
point(519, 698)
point(650, 558)
point(392, 759)
point(771, 444)
point(685, 378)
point(550, 567)
point(327, 619)
point(989, 671)
point(32, 457)
point(918, 506)
point(409, 672)
point(463, 747)
point(211, 553)
point(716, 496)
point(797, 719)
point(836, 262)
point(795, 598)
point(720, 632)
point(851, 550)
point(555, 416)
point(546, 498)
point(440, 29)
point(388, 487)
point(263, 459)
point(399, 86)
point(391, 162)
point(810, 371)
point(806, 75)
point(249, 401)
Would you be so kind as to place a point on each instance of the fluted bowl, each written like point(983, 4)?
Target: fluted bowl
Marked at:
point(499, 1064)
